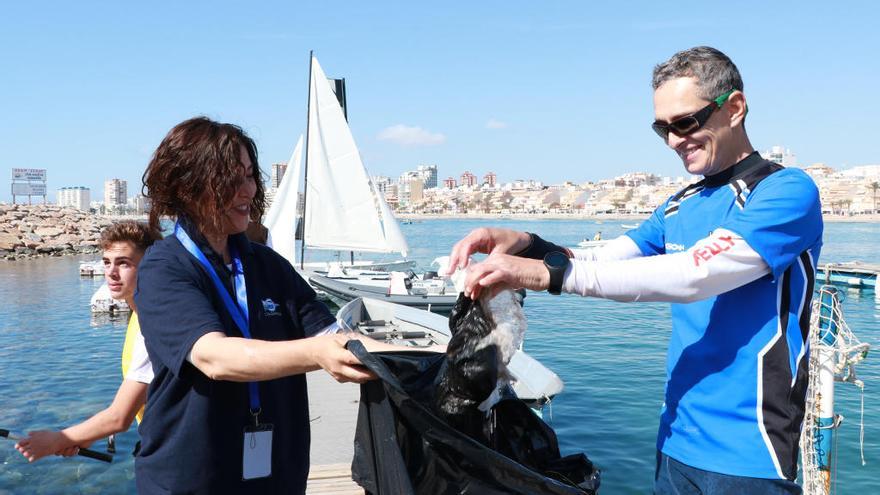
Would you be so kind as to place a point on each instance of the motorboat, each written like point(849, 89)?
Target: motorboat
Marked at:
point(586, 243)
point(102, 302)
point(91, 268)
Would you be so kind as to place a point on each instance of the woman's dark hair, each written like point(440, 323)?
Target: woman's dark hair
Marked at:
point(196, 170)
point(137, 233)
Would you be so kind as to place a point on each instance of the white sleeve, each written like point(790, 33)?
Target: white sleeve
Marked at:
point(140, 369)
point(619, 248)
point(714, 265)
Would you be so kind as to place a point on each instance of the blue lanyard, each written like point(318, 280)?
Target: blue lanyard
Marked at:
point(239, 311)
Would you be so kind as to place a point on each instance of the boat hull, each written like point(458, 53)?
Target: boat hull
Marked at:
point(343, 291)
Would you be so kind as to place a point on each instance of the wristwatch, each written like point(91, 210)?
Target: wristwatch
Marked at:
point(556, 263)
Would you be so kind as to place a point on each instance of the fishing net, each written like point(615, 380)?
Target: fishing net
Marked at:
point(833, 346)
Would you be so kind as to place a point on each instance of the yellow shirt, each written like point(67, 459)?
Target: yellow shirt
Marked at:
point(131, 336)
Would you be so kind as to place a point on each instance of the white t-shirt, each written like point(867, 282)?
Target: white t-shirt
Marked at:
point(140, 369)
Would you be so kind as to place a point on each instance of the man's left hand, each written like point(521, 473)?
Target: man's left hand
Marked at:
point(506, 269)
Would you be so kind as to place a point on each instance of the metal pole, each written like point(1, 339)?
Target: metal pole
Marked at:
point(302, 246)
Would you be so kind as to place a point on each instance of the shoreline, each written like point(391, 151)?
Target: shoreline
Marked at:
point(47, 230)
point(875, 218)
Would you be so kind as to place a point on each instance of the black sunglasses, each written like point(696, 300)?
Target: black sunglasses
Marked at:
point(690, 123)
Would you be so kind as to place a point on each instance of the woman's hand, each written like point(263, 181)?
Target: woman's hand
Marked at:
point(331, 355)
point(487, 240)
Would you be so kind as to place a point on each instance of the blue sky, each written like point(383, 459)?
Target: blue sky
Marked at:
point(543, 90)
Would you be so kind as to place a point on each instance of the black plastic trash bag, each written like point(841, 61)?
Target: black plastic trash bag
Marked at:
point(402, 447)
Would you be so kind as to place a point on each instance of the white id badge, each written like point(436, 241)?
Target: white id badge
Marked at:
point(256, 459)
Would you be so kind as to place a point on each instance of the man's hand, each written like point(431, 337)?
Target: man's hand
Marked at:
point(508, 270)
point(330, 354)
point(486, 240)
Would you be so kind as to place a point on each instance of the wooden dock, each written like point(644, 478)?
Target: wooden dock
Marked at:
point(851, 273)
point(333, 409)
point(332, 479)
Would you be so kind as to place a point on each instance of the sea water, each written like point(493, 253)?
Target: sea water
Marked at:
point(58, 365)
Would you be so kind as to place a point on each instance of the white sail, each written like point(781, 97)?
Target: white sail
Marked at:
point(392, 229)
point(281, 217)
point(341, 207)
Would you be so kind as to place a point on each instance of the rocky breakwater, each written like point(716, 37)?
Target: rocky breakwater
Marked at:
point(30, 231)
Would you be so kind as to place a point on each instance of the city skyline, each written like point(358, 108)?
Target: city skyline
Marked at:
point(560, 92)
point(430, 177)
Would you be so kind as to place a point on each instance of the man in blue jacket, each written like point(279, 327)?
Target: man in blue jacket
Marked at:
point(735, 253)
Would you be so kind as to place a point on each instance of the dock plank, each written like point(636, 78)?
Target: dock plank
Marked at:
point(851, 273)
point(332, 479)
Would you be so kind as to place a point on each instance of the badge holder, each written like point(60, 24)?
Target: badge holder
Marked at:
point(257, 451)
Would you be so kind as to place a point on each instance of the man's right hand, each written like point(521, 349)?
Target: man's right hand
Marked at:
point(486, 240)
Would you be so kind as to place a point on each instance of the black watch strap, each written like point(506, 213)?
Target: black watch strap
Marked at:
point(557, 263)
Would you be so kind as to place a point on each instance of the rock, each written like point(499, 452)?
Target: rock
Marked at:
point(48, 231)
point(32, 241)
point(59, 246)
point(67, 239)
point(28, 231)
point(9, 242)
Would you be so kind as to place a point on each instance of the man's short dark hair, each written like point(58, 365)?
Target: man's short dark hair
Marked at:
point(714, 71)
point(137, 233)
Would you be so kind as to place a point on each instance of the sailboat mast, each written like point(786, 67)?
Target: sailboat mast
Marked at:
point(302, 246)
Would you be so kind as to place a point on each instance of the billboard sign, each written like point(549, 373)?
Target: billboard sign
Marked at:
point(35, 174)
point(25, 189)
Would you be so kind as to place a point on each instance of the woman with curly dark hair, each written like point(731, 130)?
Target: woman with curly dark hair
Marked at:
point(230, 328)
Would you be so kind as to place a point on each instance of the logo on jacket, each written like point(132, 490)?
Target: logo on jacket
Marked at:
point(270, 307)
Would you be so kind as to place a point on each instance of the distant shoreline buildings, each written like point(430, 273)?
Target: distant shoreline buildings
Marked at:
point(852, 191)
point(849, 192)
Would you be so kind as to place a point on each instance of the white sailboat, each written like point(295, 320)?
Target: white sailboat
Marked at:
point(343, 209)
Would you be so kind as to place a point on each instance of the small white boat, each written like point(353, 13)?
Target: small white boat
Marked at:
point(630, 225)
point(396, 324)
point(586, 243)
point(91, 269)
point(102, 302)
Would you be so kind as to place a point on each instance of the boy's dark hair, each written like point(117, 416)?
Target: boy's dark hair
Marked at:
point(137, 233)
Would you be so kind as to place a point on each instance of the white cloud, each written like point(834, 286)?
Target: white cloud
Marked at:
point(495, 124)
point(411, 136)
